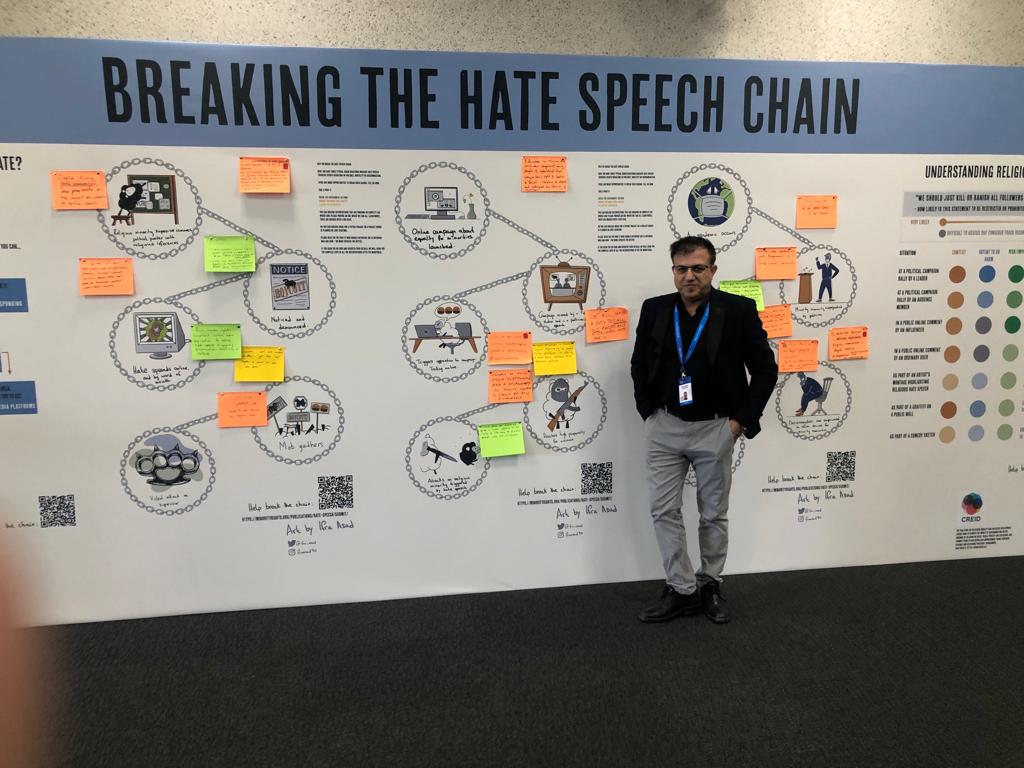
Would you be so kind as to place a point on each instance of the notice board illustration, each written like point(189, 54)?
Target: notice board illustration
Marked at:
point(296, 402)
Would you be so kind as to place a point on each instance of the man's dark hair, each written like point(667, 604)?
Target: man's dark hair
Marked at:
point(689, 244)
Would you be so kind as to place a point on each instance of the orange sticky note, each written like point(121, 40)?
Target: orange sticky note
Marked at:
point(798, 355)
point(509, 347)
point(848, 343)
point(510, 385)
point(817, 211)
point(241, 409)
point(264, 175)
point(106, 277)
point(777, 320)
point(78, 190)
point(775, 263)
point(607, 324)
point(545, 173)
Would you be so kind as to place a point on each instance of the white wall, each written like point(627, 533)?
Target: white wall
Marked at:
point(920, 31)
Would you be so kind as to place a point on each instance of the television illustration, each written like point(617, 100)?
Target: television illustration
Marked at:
point(565, 284)
point(158, 334)
point(441, 202)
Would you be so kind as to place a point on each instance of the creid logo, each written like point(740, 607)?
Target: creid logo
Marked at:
point(971, 506)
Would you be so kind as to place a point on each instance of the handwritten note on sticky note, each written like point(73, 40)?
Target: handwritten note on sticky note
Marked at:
point(216, 341)
point(798, 355)
point(749, 288)
point(545, 173)
point(775, 263)
point(777, 320)
point(78, 190)
point(554, 357)
point(817, 211)
point(229, 253)
point(264, 175)
point(510, 385)
point(509, 347)
point(607, 324)
point(505, 439)
point(106, 277)
point(260, 364)
point(241, 409)
point(848, 343)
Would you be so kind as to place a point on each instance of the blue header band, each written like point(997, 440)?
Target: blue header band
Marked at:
point(186, 94)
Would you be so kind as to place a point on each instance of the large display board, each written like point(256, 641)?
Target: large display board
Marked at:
point(407, 238)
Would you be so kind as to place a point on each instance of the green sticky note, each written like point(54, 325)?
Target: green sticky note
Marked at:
point(749, 288)
point(216, 341)
point(228, 253)
point(505, 439)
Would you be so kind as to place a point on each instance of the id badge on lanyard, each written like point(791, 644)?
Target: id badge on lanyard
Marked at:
point(685, 382)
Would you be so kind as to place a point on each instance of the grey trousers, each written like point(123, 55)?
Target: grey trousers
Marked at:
point(672, 446)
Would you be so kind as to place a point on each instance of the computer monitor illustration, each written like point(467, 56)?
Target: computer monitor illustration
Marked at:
point(158, 334)
point(441, 202)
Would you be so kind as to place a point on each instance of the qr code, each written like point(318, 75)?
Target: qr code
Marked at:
point(56, 510)
point(596, 478)
point(335, 492)
point(842, 465)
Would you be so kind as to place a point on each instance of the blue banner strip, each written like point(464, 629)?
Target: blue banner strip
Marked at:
point(186, 94)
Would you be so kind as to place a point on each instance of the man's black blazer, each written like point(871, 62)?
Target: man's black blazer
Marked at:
point(736, 344)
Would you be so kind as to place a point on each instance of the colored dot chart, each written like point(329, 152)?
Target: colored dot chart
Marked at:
point(981, 384)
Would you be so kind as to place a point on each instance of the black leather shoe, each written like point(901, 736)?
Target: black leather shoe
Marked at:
point(715, 607)
point(671, 605)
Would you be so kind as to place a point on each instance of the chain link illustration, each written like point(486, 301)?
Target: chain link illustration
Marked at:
point(853, 288)
point(475, 411)
point(194, 232)
point(788, 230)
point(112, 345)
point(712, 167)
point(211, 464)
point(526, 297)
point(484, 222)
point(524, 231)
point(238, 228)
point(590, 439)
point(332, 305)
point(408, 353)
point(207, 287)
point(492, 284)
point(416, 481)
point(337, 437)
point(195, 422)
point(846, 411)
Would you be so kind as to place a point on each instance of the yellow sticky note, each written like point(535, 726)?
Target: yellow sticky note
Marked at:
point(241, 409)
point(106, 277)
point(777, 320)
point(545, 173)
point(817, 211)
point(260, 364)
point(554, 357)
point(607, 324)
point(798, 355)
point(509, 347)
point(263, 175)
point(505, 439)
point(78, 191)
point(775, 263)
point(749, 288)
point(848, 343)
point(510, 385)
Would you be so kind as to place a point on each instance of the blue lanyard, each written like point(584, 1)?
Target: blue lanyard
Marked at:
point(693, 344)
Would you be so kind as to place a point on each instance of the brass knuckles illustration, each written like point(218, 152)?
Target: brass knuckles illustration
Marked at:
point(168, 467)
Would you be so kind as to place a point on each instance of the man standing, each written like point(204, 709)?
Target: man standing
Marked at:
point(693, 351)
point(828, 271)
